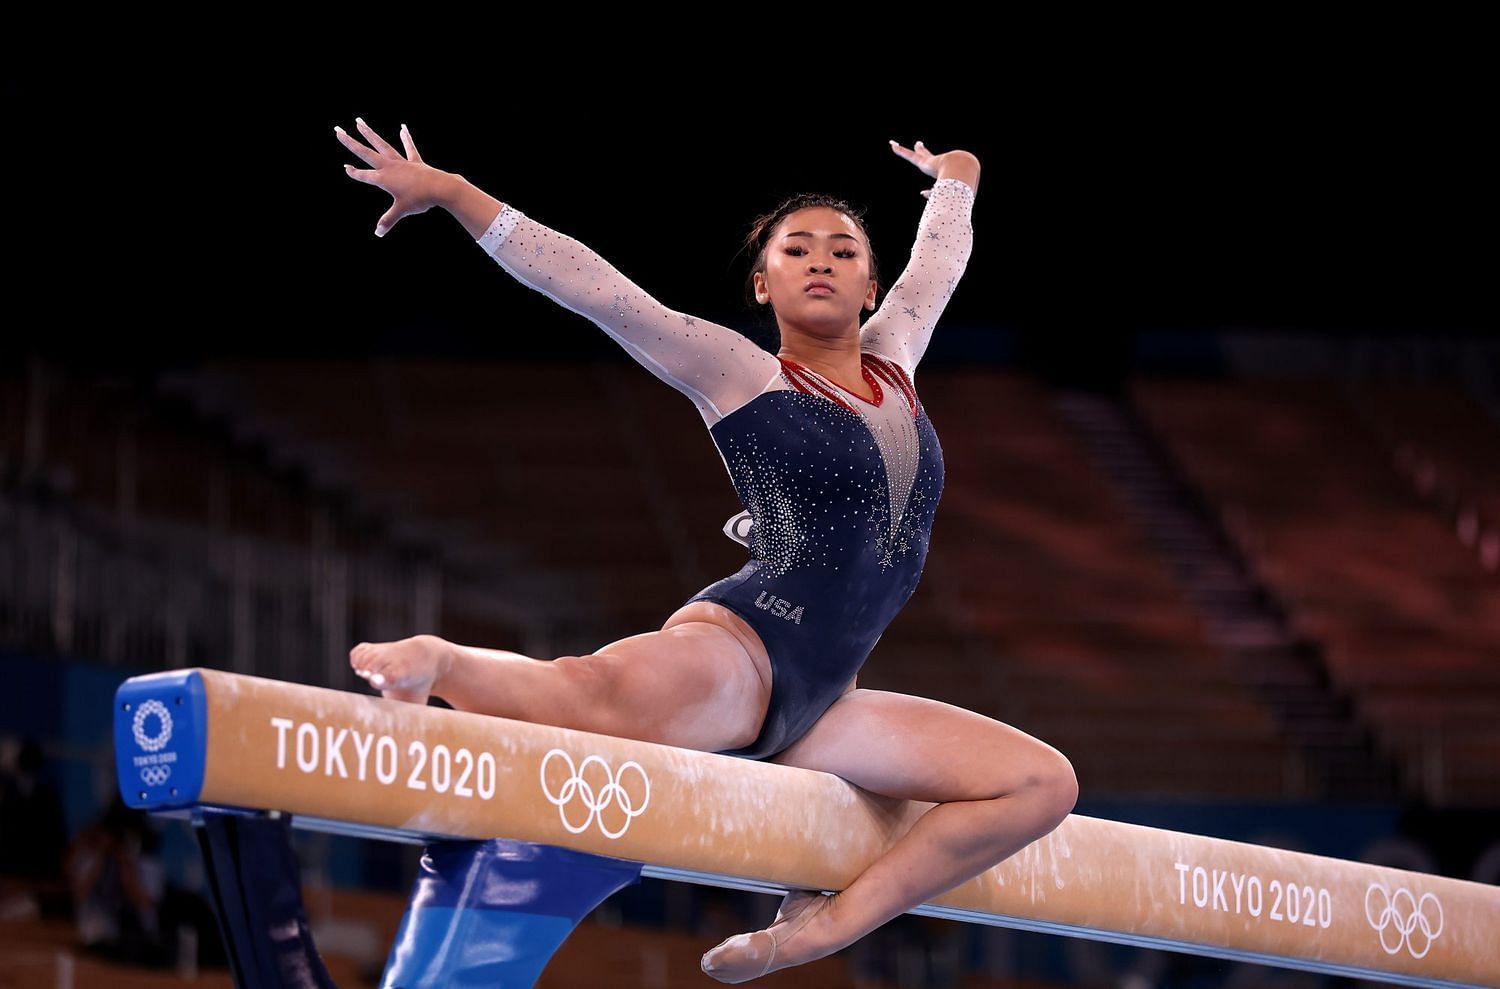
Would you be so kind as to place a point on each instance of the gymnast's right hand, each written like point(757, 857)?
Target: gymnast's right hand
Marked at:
point(415, 185)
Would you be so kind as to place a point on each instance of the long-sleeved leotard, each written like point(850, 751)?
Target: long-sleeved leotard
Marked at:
point(839, 490)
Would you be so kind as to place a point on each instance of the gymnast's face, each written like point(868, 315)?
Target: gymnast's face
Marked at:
point(817, 243)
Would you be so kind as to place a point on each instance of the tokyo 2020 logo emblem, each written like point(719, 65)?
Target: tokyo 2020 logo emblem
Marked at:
point(152, 743)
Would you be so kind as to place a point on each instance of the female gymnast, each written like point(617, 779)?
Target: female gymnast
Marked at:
point(840, 472)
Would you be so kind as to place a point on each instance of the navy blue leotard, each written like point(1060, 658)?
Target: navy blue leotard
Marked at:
point(841, 493)
point(839, 488)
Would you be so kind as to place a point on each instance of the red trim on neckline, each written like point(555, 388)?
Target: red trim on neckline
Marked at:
point(896, 375)
point(864, 367)
point(806, 383)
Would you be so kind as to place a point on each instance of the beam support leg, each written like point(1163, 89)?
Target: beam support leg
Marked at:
point(257, 891)
point(492, 913)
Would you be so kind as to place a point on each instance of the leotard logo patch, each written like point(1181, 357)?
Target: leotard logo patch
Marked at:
point(780, 607)
point(739, 528)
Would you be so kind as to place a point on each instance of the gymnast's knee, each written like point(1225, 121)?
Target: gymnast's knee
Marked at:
point(1057, 790)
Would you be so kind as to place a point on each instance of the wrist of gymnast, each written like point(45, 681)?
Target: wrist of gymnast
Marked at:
point(475, 209)
point(961, 166)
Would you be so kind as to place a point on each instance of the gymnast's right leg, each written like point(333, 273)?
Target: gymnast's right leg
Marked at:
point(693, 685)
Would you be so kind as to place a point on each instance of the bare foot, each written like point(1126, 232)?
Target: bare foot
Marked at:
point(800, 934)
point(404, 670)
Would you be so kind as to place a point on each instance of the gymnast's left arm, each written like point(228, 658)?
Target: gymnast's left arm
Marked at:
point(903, 326)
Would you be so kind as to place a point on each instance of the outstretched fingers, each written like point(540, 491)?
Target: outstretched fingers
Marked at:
point(381, 147)
point(409, 145)
point(365, 154)
point(916, 154)
point(919, 156)
point(380, 143)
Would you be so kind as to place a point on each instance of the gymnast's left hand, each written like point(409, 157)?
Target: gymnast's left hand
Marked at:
point(932, 164)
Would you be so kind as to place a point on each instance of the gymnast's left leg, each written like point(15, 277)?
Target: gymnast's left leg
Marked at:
point(997, 789)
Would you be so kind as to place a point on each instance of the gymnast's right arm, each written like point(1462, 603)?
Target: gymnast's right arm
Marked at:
point(716, 367)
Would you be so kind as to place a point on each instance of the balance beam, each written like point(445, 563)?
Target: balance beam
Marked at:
point(362, 765)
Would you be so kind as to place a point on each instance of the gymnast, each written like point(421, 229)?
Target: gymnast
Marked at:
point(839, 471)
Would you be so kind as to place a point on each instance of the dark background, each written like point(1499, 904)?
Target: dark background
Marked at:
point(184, 202)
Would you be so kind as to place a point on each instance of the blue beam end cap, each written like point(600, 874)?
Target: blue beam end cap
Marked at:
point(161, 737)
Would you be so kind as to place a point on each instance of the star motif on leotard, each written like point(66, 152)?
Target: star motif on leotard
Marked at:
point(689, 320)
point(619, 307)
point(540, 250)
point(952, 284)
point(933, 235)
point(910, 312)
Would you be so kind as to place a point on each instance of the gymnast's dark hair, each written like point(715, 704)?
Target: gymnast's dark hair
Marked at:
point(764, 226)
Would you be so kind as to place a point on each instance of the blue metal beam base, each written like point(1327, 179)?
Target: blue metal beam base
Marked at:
point(492, 913)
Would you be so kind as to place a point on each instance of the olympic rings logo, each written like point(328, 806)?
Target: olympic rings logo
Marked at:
point(1402, 913)
point(155, 775)
point(576, 788)
point(152, 743)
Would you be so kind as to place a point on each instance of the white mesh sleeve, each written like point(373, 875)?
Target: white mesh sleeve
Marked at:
point(718, 368)
point(902, 327)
